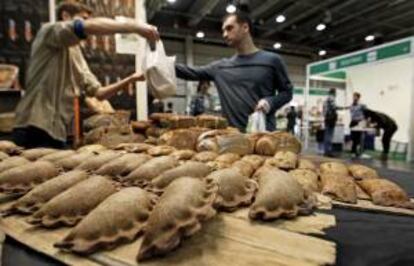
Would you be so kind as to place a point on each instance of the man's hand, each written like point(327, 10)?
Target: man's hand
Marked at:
point(99, 107)
point(110, 90)
point(149, 32)
point(137, 76)
point(263, 105)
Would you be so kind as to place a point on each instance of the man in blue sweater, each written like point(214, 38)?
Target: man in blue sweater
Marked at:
point(247, 81)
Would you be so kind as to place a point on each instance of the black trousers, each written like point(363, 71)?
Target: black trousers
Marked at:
point(356, 141)
point(355, 137)
point(290, 128)
point(33, 137)
point(386, 138)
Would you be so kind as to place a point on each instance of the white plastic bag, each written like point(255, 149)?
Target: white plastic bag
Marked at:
point(257, 122)
point(159, 71)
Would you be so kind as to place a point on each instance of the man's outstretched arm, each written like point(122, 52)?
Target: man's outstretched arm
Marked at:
point(108, 26)
point(194, 73)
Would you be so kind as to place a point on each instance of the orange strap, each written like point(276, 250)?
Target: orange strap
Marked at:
point(77, 126)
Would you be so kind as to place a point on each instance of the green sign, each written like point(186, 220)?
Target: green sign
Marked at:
point(385, 52)
point(298, 91)
point(352, 60)
point(312, 91)
point(336, 75)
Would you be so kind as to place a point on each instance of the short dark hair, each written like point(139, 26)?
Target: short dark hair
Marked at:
point(357, 94)
point(241, 17)
point(72, 8)
point(332, 91)
point(200, 84)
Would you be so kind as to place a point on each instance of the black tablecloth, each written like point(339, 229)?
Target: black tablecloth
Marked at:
point(375, 239)
point(362, 238)
point(372, 239)
point(16, 254)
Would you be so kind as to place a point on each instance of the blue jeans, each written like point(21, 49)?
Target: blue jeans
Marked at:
point(327, 139)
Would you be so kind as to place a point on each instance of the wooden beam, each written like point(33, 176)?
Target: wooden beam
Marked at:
point(368, 206)
point(313, 224)
point(222, 240)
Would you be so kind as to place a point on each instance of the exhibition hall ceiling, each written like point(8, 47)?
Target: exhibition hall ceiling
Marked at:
point(310, 27)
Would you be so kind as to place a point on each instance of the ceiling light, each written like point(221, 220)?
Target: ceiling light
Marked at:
point(277, 45)
point(369, 38)
point(320, 27)
point(200, 35)
point(280, 19)
point(231, 8)
point(171, 1)
point(322, 52)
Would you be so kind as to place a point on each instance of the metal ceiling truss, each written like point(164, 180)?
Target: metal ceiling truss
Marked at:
point(346, 20)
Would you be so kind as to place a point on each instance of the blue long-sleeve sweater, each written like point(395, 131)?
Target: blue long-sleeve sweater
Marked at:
point(242, 81)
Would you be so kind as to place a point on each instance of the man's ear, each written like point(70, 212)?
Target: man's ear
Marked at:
point(66, 16)
point(246, 27)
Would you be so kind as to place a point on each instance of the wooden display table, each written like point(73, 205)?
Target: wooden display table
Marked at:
point(227, 239)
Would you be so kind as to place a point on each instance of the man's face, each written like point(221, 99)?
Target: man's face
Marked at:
point(356, 98)
point(234, 32)
point(204, 87)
